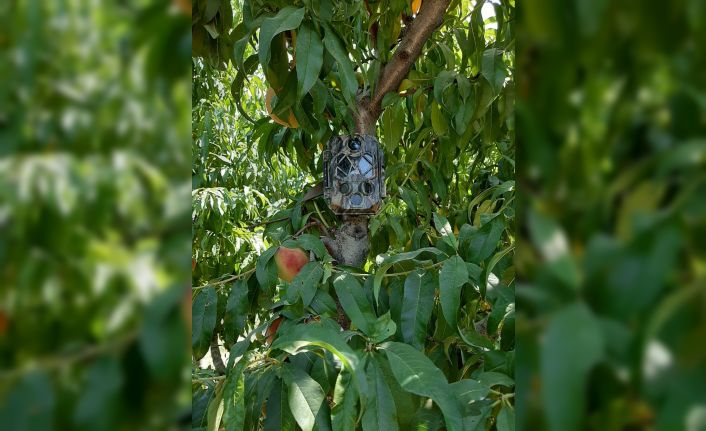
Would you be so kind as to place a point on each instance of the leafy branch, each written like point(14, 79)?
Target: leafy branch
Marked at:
point(420, 29)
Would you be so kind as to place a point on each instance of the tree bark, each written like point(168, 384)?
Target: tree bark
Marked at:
point(216, 356)
point(431, 16)
point(352, 241)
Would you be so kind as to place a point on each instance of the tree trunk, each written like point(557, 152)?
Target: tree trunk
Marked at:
point(369, 109)
point(431, 16)
point(351, 244)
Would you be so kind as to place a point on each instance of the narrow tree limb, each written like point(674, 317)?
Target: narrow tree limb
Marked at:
point(351, 244)
point(216, 356)
point(429, 18)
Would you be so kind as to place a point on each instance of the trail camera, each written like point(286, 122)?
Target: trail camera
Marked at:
point(354, 177)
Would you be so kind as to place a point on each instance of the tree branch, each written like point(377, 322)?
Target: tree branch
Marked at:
point(429, 18)
point(216, 356)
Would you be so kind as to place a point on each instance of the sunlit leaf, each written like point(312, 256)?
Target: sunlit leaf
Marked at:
point(417, 374)
point(306, 399)
point(344, 413)
point(286, 19)
point(417, 306)
point(380, 412)
point(452, 277)
point(310, 57)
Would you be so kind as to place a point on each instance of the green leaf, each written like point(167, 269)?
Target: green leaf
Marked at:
point(161, 334)
point(310, 57)
point(506, 418)
point(236, 313)
point(573, 344)
point(29, 403)
point(240, 348)
point(100, 392)
point(443, 81)
point(437, 180)
point(409, 199)
point(313, 243)
point(448, 55)
point(417, 374)
point(203, 317)
point(444, 228)
point(491, 264)
point(240, 36)
point(345, 68)
point(390, 99)
point(234, 397)
point(452, 277)
point(464, 86)
point(397, 258)
point(438, 120)
point(405, 402)
point(477, 419)
point(428, 419)
point(287, 18)
point(285, 81)
point(296, 216)
point(423, 198)
point(393, 126)
point(383, 328)
point(215, 410)
point(306, 399)
point(319, 92)
point(417, 307)
point(265, 271)
point(212, 7)
point(354, 302)
point(474, 271)
point(492, 378)
point(344, 413)
point(550, 240)
point(400, 234)
point(212, 30)
point(380, 411)
point(468, 390)
point(464, 114)
point(325, 334)
point(306, 283)
point(483, 241)
point(279, 417)
point(473, 338)
point(493, 69)
point(323, 304)
point(236, 87)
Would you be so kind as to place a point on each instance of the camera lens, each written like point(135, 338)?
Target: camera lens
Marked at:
point(366, 188)
point(354, 144)
point(345, 188)
point(356, 200)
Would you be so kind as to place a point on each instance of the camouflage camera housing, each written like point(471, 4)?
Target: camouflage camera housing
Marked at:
point(354, 176)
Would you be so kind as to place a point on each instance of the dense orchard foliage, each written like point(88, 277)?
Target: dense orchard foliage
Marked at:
point(431, 343)
point(94, 211)
point(611, 156)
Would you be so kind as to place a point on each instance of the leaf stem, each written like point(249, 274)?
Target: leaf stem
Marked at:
point(390, 274)
point(206, 379)
point(321, 217)
point(224, 281)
